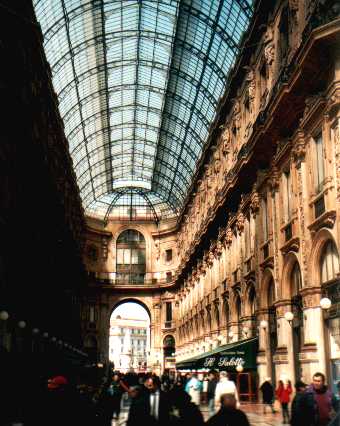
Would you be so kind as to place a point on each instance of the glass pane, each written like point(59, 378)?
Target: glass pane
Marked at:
point(120, 256)
point(127, 256)
point(139, 84)
point(134, 256)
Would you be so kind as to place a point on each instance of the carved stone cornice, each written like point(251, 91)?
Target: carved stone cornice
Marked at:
point(254, 202)
point(299, 148)
point(292, 245)
point(225, 140)
point(267, 263)
point(228, 237)
point(327, 220)
point(210, 258)
point(240, 221)
point(274, 179)
point(218, 249)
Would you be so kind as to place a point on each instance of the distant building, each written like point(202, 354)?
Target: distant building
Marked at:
point(128, 346)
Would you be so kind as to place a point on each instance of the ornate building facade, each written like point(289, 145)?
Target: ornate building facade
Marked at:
point(258, 239)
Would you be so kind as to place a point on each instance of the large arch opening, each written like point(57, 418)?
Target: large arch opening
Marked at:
point(129, 337)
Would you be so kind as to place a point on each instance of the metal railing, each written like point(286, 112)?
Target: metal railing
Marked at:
point(114, 278)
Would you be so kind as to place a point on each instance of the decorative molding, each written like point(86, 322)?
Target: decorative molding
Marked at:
point(326, 220)
point(292, 245)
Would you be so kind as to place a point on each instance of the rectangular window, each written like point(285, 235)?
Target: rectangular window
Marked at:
point(168, 277)
point(265, 219)
point(287, 196)
point(319, 174)
point(168, 255)
point(168, 311)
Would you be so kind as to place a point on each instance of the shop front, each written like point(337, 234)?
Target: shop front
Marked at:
point(332, 327)
point(238, 359)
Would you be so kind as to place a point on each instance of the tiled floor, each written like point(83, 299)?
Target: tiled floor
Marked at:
point(253, 411)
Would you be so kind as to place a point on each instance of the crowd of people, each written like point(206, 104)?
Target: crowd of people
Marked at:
point(312, 405)
point(174, 401)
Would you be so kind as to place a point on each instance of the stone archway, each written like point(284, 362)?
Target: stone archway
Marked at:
point(130, 335)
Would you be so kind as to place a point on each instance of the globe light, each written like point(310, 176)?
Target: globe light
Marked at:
point(263, 324)
point(35, 330)
point(45, 334)
point(239, 368)
point(21, 324)
point(325, 303)
point(53, 339)
point(4, 315)
point(289, 316)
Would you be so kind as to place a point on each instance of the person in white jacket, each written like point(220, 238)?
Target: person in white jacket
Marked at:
point(225, 386)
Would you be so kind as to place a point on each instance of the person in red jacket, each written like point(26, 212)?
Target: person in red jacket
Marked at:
point(283, 393)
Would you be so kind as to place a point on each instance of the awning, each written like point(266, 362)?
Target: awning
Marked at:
point(225, 357)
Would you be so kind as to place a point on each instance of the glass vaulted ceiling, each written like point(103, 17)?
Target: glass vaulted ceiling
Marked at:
point(138, 83)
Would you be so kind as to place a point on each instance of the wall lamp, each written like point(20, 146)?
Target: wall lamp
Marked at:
point(289, 316)
point(325, 303)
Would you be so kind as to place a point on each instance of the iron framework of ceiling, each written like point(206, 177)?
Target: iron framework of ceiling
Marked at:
point(139, 82)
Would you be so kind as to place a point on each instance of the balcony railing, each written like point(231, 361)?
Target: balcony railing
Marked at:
point(114, 278)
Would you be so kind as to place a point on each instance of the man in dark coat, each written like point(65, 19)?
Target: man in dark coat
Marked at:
point(318, 404)
point(297, 413)
point(151, 407)
point(267, 395)
point(228, 414)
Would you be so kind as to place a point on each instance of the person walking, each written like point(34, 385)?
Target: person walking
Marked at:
point(115, 390)
point(212, 383)
point(228, 413)
point(296, 410)
point(283, 393)
point(193, 387)
point(151, 407)
point(225, 386)
point(188, 413)
point(318, 404)
point(267, 390)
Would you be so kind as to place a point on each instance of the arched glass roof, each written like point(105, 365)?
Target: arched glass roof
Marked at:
point(138, 83)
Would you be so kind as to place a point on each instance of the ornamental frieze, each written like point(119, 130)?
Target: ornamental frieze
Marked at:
point(240, 222)
point(225, 141)
point(254, 202)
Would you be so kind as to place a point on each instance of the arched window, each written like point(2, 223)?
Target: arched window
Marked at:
point(252, 301)
point(329, 262)
point(297, 323)
point(226, 311)
point(238, 313)
point(296, 282)
point(130, 257)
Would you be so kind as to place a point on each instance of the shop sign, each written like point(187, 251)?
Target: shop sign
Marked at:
point(230, 362)
point(223, 361)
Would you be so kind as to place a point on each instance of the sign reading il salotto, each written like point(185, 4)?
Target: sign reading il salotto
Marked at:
point(224, 361)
